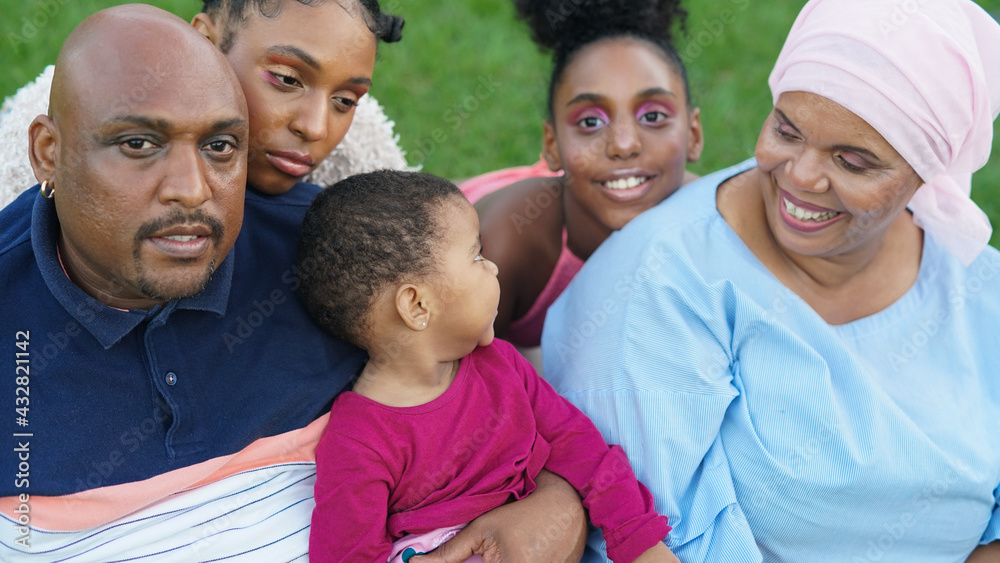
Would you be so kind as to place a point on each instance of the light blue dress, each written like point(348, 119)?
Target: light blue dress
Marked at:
point(766, 433)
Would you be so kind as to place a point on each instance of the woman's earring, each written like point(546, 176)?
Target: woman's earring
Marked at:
point(51, 191)
point(424, 324)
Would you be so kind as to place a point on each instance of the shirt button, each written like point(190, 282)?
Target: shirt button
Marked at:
point(171, 378)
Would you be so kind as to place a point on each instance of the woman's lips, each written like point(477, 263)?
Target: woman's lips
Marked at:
point(804, 217)
point(293, 163)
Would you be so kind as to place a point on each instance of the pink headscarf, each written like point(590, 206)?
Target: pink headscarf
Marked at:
point(926, 75)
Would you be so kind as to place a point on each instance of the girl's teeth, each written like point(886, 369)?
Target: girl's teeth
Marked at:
point(624, 183)
point(803, 215)
point(181, 238)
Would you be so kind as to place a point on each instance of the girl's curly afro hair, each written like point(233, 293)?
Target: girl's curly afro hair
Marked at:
point(566, 26)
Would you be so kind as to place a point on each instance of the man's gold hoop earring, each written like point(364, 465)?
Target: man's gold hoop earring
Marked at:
point(51, 191)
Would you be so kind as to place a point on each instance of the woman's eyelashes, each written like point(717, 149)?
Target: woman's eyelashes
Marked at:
point(848, 160)
point(283, 81)
point(288, 83)
point(343, 103)
point(786, 131)
point(853, 163)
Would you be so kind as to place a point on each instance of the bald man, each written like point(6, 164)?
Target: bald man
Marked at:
point(162, 389)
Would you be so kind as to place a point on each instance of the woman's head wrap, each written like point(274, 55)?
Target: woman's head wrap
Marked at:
point(926, 75)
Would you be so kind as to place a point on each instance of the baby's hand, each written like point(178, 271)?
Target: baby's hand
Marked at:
point(659, 553)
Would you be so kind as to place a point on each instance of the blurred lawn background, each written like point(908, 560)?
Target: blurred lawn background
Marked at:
point(466, 86)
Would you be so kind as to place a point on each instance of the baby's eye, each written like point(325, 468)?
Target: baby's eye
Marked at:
point(479, 257)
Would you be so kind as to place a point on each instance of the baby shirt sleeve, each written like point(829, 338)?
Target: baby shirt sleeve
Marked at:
point(621, 506)
point(352, 499)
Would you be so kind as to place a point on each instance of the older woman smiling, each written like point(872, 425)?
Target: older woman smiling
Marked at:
point(799, 353)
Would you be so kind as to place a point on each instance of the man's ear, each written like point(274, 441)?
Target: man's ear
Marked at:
point(412, 306)
point(43, 147)
point(207, 27)
point(550, 147)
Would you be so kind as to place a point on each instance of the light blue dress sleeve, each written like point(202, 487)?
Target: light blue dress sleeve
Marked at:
point(657, 379)
point(992, 532)
point(765, 433)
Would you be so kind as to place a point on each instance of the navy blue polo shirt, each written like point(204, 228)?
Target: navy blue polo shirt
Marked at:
point(116, 396)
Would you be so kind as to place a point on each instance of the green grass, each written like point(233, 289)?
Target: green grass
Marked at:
point(467, 87)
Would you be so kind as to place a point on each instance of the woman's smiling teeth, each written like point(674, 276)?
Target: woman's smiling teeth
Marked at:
point(624, 183)
point(803, 215)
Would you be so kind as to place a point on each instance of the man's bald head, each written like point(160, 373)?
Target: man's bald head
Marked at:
point(131, 43)
point(145, 149)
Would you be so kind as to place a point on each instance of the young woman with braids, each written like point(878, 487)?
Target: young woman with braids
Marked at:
point(303, 66)
point(621, 129)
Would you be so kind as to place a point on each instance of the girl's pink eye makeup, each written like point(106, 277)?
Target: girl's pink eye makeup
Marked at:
point(655, 107)
point(589, 118)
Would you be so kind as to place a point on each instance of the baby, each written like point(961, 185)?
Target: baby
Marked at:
point(444, 423)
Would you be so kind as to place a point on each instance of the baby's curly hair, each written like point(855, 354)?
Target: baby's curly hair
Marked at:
point(362, 235)
point(566, 26)
point(234, 13)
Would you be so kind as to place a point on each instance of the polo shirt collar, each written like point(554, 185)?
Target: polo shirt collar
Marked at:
point(107, 324)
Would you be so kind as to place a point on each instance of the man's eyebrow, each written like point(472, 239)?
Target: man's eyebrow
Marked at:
point(229, 124)
point(161, 124)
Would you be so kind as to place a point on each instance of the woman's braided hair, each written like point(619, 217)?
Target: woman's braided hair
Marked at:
point(386, 27)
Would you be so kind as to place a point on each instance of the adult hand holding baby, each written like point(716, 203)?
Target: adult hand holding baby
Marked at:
point(494, 538)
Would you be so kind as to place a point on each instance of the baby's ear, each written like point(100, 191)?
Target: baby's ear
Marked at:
point(412, 306)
